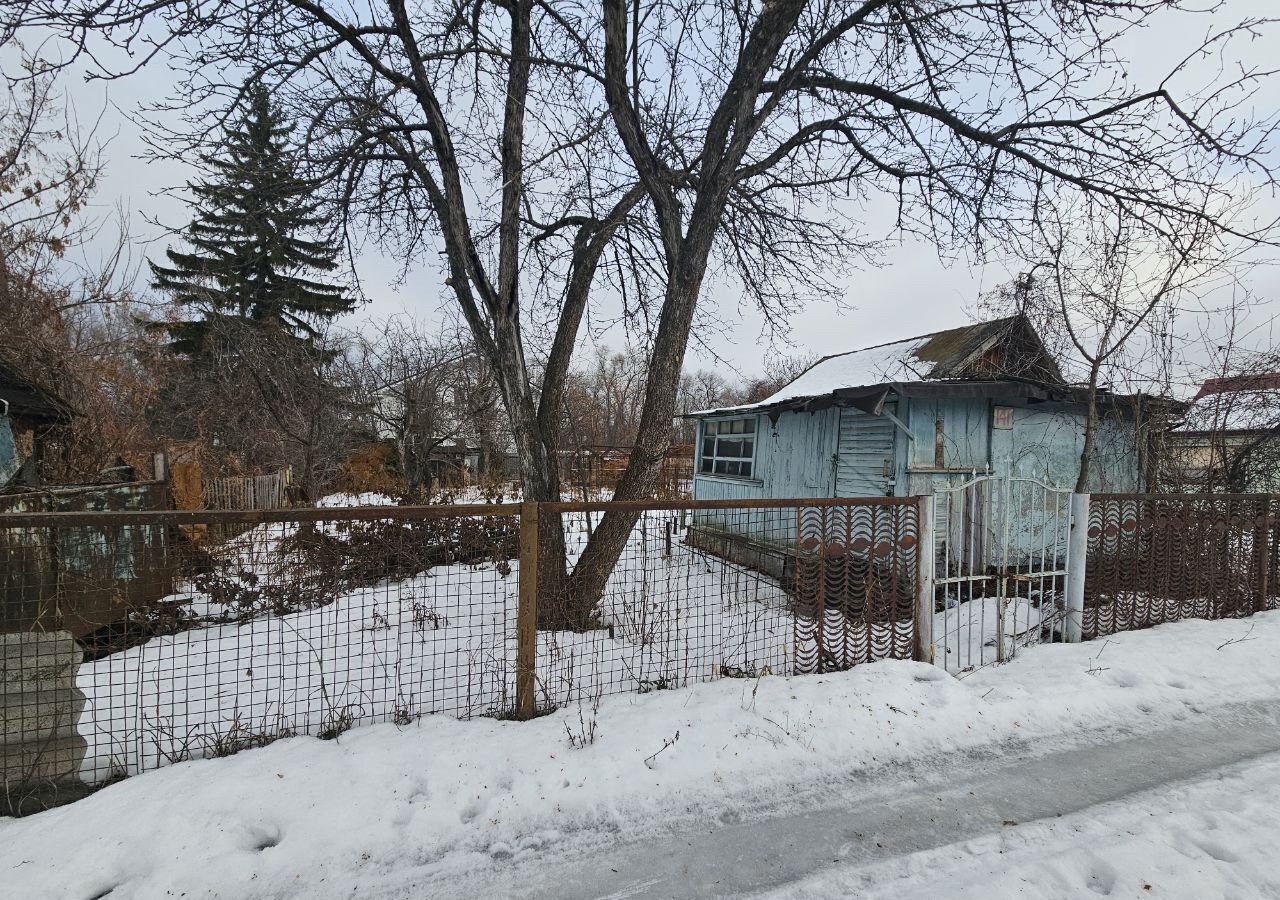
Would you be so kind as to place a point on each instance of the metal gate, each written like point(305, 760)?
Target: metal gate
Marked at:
point(1000, 566)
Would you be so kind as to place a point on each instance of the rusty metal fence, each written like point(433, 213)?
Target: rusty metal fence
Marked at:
point(230, 629)
point(1161, 558)
point(132, 639)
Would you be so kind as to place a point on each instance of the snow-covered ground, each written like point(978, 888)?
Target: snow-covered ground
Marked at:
point(1212, 838)
point(416, 811)
point(442, 641)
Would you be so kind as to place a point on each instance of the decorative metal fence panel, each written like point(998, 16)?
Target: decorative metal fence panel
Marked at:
point(1160, 558)
point(857, 576)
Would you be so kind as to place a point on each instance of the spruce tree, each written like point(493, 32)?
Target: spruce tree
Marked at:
point(250, 251)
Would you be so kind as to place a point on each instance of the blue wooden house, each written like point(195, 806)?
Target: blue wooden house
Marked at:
point(914, 417)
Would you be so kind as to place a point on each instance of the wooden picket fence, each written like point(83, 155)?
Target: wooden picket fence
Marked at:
point(249, 491)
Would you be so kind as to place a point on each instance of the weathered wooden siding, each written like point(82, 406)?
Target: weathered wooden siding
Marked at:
point(850, 453)
point(795, 457)
point(9, 461)
point(1045, 443)
point(951, 434)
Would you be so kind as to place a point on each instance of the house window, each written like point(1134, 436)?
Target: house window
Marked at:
point(728, 447)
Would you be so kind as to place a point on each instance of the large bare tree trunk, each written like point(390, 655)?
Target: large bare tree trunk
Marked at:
point(688, 249)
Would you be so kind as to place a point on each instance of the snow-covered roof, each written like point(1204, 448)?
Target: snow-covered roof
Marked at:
point(956, 353)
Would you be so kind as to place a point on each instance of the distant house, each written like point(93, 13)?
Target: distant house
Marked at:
point(27, 413)
point(1229, 438)
point(915, 417)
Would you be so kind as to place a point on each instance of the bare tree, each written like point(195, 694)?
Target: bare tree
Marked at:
point(68, 314)
point(780, 369)
point(603, 399)
point(652, 144)
point(423, 391)
point(261, 400)
point(1228, 438)
point(1104, 297)
point(701, 390)
point(49, 168)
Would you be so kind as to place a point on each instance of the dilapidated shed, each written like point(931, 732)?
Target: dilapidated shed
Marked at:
point(915, 417)
point(27, 413)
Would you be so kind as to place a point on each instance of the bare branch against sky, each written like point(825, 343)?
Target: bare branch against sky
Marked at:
point(941, 289)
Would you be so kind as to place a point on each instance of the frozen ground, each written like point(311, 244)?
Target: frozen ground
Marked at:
point(770, 782)
point(1095, 819)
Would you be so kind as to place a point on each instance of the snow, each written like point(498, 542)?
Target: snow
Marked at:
point(1214, 837)
point(440, 798)
point(1232, 411)
point(367, 498)
point(439, 642)
point(858, 368)
point(967, 634)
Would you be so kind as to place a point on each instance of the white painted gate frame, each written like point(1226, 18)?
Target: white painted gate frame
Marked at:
point(1061, 554)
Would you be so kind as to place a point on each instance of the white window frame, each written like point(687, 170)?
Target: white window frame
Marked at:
point(712, 430)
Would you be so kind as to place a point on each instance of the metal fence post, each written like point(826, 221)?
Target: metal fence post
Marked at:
point(527, 612)
point(1262, 554)
point(1077, 556)
point(925, 553)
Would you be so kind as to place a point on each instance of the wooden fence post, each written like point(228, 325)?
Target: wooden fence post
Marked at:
point(527, 612)
point(1077, 558)
point(926, 551)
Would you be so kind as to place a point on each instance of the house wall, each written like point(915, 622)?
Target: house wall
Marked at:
point(794, 457)
point(867, 457)
point(9, 461)
point(948, 434)
point(1197, 458)
point(951, 441)
point(1046, 443)
point(17, 445)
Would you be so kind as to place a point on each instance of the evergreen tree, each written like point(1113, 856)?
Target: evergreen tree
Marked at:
point(249, 256)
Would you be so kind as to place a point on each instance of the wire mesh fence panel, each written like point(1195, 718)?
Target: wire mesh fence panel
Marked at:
point(722, 589)
point(1160, 558)
point(198, 646)
point(195, 634)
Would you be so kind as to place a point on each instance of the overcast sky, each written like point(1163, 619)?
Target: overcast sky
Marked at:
point(911, 292)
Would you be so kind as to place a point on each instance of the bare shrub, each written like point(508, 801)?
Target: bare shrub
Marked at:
point(319, 565)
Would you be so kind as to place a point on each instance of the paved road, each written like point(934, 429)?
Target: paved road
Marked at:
point(862, 821)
